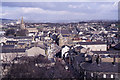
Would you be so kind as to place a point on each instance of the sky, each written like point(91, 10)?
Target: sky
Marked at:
point(59, 11)
point(59, 0)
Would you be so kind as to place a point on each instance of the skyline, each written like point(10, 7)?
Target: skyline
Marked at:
point(60, 11)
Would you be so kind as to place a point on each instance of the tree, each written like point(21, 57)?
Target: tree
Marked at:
point(22, 32)
point(26, 68)
point(10, 32)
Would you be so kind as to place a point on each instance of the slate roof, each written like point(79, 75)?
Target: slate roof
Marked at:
point(80, 58)
point(23, 37)
point(117, 46)
point(91, 43)
point(25, 40)
point(110, 56)
point(65, 35)
point(9, 36)
point(65, 32)
point(12, 42)
point(41, 46)
point(13, 50)
point(8, 46)
point(104, 67)
point(79, 47)
point(21, 43)
point(106, 52)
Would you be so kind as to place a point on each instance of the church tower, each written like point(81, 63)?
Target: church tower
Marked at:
point(22, 25)
point(61, 39)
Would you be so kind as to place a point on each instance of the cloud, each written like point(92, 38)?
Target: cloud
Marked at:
point(80, 6)
point(38, 14)
point(59, 0)
point(45, 5)
point(42, 11)
point(75, 6)
point(60, 11)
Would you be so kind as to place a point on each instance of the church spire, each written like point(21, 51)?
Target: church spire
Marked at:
point(22, 21)
point(22, 26)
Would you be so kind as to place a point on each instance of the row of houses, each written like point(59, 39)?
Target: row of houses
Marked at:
point(94, 64)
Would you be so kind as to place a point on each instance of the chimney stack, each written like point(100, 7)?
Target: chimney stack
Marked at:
point(114, 60)
point(98, 60)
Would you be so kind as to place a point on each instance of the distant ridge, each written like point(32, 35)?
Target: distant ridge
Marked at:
point(7, 20)
point(58, 21)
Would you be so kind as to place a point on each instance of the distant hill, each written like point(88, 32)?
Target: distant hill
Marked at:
point(56, 21)
point(7, 20)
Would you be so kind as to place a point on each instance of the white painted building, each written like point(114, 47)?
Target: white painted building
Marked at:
point(2, 32)
point(94, 46)
point(3, 39)
point(31, 34)
point(65, 50)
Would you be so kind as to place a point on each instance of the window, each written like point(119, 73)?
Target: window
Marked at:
point(85, 73)
point(91, 74)
point(104, 75)
point(111, 75)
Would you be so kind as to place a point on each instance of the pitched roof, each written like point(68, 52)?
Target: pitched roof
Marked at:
point(104, 67)
point(21, 43)
point(91, 43)
point(8, 46)
point(65, 35)
point(11, 41)
point(79, 47)
point(13, 50)
point(106, 52)
point(35, 51)
point(65, 32)
point(117, 46)
point(23, 37)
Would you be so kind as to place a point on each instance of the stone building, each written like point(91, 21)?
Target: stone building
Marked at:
point(103, 70)
point(97, 66)
point(94, 46)
point(65, 37)
point(32, 30)
point(8, 55)
point(35, 51)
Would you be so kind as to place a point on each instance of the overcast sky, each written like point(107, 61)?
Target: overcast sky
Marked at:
point(60, 11)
